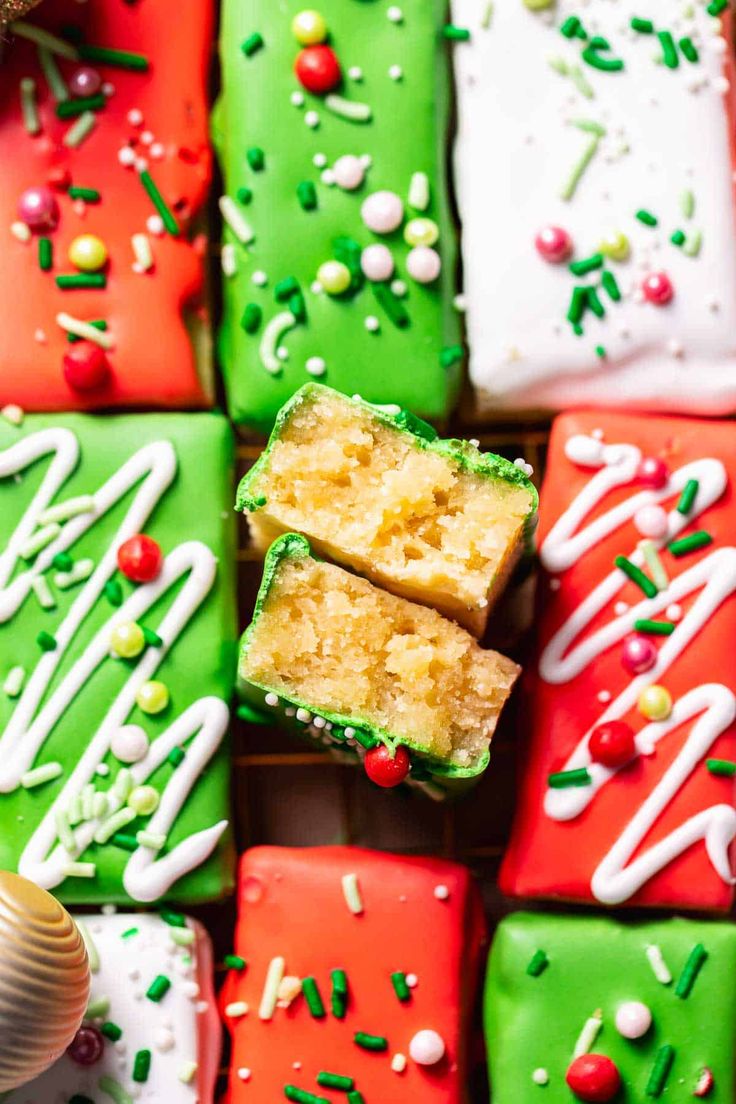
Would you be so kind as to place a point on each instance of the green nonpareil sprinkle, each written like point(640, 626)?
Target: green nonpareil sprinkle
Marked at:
point(118, 59)
point(235, 962)
point(62, 561)
point(113, 592)
point(455, 33)
point(586, 265)
point(76, 280)
point(689, 50)
point(252, 318)
point(111, 1031)
point(690, 971)
point(401, 989)
point(159, 203)
point(660, 1070)
point(370, 1042)
point(244, 195)
point(70, 109)
point(252, 44)
point(141, 1066)
point(158, 988)
point(306, 193)
point(125, 842)
point(561, 780)
point(89, 195)
point(609, 284)
point(572, 28)
point(46, 641)
point(593, 57)
point(654, 628)
point(646, 217)
point(691, 543)
point(688, 496)
point(114, 1090)
point(643, 26)
point(301, 1096)
point(328, 1080)
point(538, 963)
point(176, 756)
point(636, 575)
point(724, 768)
point(392, 305)
point(451, 355)
point(670, 56)
point(256, 158)
point(313, 997)
point(173, 919)
point(29, 106)
point(45, 254)
point(678, 237)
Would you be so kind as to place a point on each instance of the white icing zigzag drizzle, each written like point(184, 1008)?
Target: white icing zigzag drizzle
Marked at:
point(151, 470)
point(713, 705)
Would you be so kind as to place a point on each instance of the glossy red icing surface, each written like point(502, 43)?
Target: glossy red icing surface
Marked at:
point(153, 362)
point(552, 858)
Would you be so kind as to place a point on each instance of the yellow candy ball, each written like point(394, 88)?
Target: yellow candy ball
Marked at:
point(153, 697)
point(615, 246)
point(88, 253)
point(655, 703)
point(144, 800)
point(127, 640)
point(421, 231)
point(334, 277)
point(309, 27)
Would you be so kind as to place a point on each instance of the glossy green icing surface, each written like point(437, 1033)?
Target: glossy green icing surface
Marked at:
point(407, 133)
point(596, 962)
point(199, 661)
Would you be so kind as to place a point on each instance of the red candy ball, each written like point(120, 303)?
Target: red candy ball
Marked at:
point(85, 366)
point(140, 558)
point(318, 69)
point(385, 770)
point(594, 1078)
point(553, 244)
point(612, 744)
point(653, 472)
point(658, 289)
point(87, 1046)
point(638, 655)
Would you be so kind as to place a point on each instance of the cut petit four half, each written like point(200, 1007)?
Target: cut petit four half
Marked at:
point(339, 245)
point(151, 1031)
point(117, 655)
point(377, 490)
point(106, 166)
point(365, 670)
point(331, 995)
point(595, 187)
point(584, 1008)
point(627, 778)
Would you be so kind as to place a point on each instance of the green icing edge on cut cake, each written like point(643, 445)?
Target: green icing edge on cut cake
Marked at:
point(439, 777)
point(418, 364)
point(534, 1017)
point(189, 519)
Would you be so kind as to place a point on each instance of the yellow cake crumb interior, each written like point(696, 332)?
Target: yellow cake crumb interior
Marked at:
point(413, 520)
point(335, 641)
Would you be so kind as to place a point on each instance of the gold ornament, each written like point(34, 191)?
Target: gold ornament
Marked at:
point(44, 980)
point(15, 9)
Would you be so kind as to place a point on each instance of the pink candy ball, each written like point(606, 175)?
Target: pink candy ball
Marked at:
point(382, 212)
point(651, 521)
point(423, 264)
point(653, 472)
point(85, 82)
point(553, 244)
point(37, 208)
point(633, 1019)
point(349, 172)
point(638, 655)
point(658, 289)
point(377, 263)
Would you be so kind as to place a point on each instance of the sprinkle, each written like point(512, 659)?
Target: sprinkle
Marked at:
point(114, 1090)
point(84, 330)
point(691, 248)
point(123, 784)
point(13, 414)
point(113, 592)
point(42, 590)
point(176, 756)
point(187, 1072)
point(455, 33)
point(79, 870)
point(610, 286)
point(29, 106)
point(45, 254)
point(487, 16)
point(36, 777)
point(578, 302)
point(540, 1076)
point(652, 559)
point(113, 824)
point(173, 919)
point(670, 57)
point(646, 217)
point(678, 237)
point(158, 988)
point(560, 780)
point(119, 59)
point(14, 682)
point(46, 641)
point(335, 1081)
point(588, 264)
point(594, 303)
point(154, 841)
point(97, 1007)
point(687, 498)
point(393, 307)
point(658, 964)
point(642, 26)
point(690, 971)
point(578, 170)
point(419, 191)
point(572, 28)
point(125, 842)
point(600, 351)
point(313, 998)
point(451, 355)
point(38, 541)
point(691, 543)
point(252, 44)
point(591, 55)
point(398, 1063)
point(356, 1097)
point(54, 79)
point(45, 39)
point(636, 575)
point(402, 990)
point(141, 246)
point(21, 232)
point(589, 1034)
point(70, 109)
point(269, 996)
point(660, 1070)
point(714, 8)
point(141, 1065)
point(82, 504)
point(655, 628)
point(291, 1092)
point(234, 962)
point(109, 1029)
point(256, 158)
point(339, 999)
point(351, 892)
point(538, 963)
point(687, 203)
point(370, 1042)
point(236, 1010)
point(724, 768)
point(100, 806)
point(76, 280)
point(352, 110)
point(306, 193)
point(159, 203)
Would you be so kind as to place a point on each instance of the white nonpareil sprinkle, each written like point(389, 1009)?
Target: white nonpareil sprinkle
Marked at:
point(540, 1076)
point(398, 1063)
point(658, 964)
point(259, 278)
point(372, 324)
point(297, 99)
point(311, 119)
point(351, 892)
point(126, 156)
point(272, 699)
point(412, 981)
point(395, 14)
point(441, 892)
point(187, 1072)
point(395, 72)
point(20, 231)
point(522, 465)
point(304, 716)
point(13, 414)
point(155, 225)
point(244, 1073)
